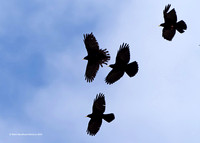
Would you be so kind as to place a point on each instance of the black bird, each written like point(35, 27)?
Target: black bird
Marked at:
point(97, 115)
point(171, 24)
point(121, 65)
point(95, 57)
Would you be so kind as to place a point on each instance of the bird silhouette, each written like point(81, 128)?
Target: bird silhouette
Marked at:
point(170, 24)
point(97, 115)
point(95, 57)
point(121, 65)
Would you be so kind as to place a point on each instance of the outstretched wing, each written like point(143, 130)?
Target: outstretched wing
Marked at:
point(166, 10)
point(123, 54)
point(94, 126)
point(91, 70)
point(168, 33)
point(99, 104)
point(91, 43)
point(113, 76)
point(169, 16)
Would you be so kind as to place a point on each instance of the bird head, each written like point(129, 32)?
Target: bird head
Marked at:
point(89, 116)
point(162, 25)
point(85, 58)
point(112, 66)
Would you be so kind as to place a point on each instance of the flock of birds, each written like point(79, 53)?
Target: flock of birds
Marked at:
point(97, 57)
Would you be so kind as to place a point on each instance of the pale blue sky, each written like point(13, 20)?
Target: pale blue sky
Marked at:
point(42, 72)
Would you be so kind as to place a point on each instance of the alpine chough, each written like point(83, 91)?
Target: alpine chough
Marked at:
point(97, 115)
point(170, 24)
point(121, 65)
point(95, 57)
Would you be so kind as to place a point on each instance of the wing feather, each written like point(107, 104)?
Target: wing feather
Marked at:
point(91, 43)
point(169, 17)
point(123, 54)
point(113, 76)
point(99, 104)
point(91, 70)
point(94, 126)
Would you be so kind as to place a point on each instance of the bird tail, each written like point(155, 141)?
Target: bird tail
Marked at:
point(105, 56)
point(109, 117)
point(132, 69)
point(181, 26)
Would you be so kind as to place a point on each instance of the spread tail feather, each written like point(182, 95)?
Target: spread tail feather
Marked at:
point(132, 69)
point(109, 117)
point(181, 26)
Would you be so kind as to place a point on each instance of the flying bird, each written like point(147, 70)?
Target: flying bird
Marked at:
point(97, 115)
point(95, 57)
point(171, 25)
point(121, 65)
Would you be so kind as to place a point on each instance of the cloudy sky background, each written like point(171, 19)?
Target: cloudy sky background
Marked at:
point(42, 86)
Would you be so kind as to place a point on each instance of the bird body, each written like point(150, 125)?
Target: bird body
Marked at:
point(95, 57)
point(171, 25)
point(98, 114)
point(122, 65)
point(120, 68)
point(106, 117)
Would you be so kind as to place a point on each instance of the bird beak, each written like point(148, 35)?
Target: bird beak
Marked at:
point(108, 65)
point(83, 59)
point(159, 26)
point(86, 116)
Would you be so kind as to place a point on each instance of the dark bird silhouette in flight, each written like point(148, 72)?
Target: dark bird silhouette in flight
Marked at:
point(95, 57)
point(121, 65)
point(171, 25)
point(97, 115)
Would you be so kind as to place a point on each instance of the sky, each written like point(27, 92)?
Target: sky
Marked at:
point(42, 85)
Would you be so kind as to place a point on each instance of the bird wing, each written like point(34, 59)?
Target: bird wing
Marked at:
point(169, 16)
point(123, 54)
point(91, 70)
point(113, 76)
point(166, 9)
point(94, 126)
point(91, 43)
point(99, 104)
point(168, 33)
